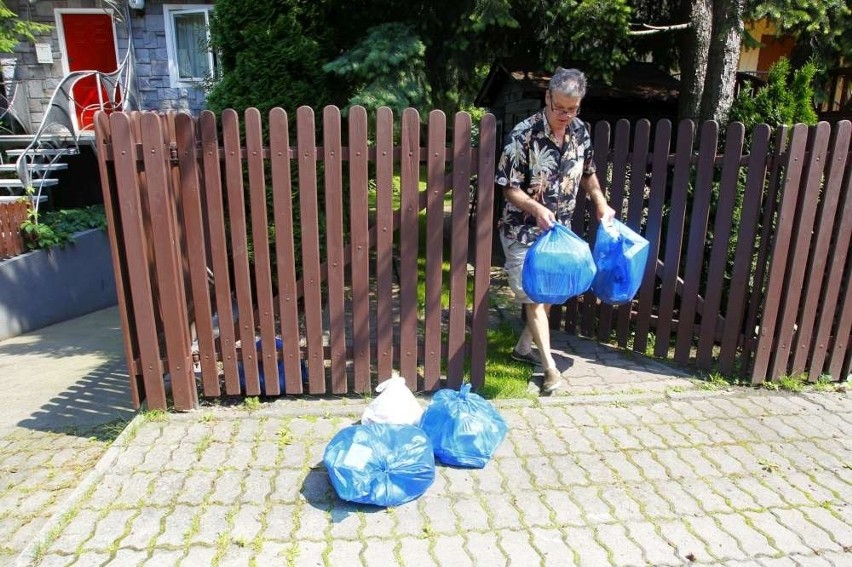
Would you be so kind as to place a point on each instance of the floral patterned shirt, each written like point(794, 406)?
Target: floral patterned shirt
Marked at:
point(532, 161)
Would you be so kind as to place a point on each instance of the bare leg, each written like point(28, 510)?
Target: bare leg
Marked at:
point(538, 327)
point(524, 344)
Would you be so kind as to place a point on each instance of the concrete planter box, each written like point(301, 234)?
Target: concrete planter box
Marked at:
point(44, 287)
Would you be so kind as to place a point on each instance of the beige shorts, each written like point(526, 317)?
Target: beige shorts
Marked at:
point(515, 253)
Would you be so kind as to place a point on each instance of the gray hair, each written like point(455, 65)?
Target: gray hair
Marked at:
point(571, 82)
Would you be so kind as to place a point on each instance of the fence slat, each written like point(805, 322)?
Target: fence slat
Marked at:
point(239, 250)
point(219, 251)
point(697, 237)
point(482, 275)
point(724, 213)
point(265, 306)
point(459, 249)
point(635, 207)
point(436, 169)
point(360, 245)
point(839, 258)
point(384, 241)
point(621, 151)
point(767, 222)
point(282, 199)
point(772, 300)
point(824, 230)
point(109, 190)
point(334, 246)
point(674, 236)
point(659, 181)
point(837, 367)
point(195, 251)
point(168, 269)
point(735, 308)
point(136, 247)
point(802, 230)
point(309, 223)
point(408, 244)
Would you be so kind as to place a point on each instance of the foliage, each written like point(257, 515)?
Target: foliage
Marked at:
point(386, 68)
point(271, 55)
point(784, 99)
point(13, 30)
point(55, 228)
point(823, 30)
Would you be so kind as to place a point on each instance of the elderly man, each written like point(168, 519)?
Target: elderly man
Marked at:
point(545, 161)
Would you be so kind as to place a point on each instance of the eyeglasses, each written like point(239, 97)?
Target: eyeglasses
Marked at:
point(563, 111)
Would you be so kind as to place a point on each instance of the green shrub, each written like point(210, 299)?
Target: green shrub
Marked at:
point(55, 228)
point(786, 98)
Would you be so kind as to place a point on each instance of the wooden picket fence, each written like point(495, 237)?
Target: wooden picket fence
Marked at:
point(12, 215)
point(226, 231)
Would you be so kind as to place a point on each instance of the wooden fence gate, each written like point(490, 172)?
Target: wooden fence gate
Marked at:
point(245, 258)
point(228, 256)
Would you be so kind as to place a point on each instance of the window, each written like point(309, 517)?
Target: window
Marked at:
point(187, 43)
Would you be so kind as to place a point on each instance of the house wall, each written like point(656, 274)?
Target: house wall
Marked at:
point(152, 88)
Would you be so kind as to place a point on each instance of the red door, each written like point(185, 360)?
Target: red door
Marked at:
point(89, 46)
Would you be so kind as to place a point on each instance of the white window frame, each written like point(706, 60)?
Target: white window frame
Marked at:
point(169, 11)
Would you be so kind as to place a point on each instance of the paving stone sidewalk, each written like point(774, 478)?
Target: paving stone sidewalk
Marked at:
point(740, 477)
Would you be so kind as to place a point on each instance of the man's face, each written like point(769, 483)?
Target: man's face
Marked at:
point(561, 109)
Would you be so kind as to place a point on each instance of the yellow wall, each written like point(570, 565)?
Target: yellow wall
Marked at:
point(748, 57)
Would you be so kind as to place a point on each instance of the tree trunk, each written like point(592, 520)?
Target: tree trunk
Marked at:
point(695, 44)
point(722, 61)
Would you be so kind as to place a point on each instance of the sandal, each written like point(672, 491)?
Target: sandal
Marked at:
point(530, 357)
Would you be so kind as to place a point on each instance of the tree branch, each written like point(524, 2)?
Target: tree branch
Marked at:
point(649, 29)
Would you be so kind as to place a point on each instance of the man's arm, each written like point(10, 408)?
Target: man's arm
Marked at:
point(589, 183)
point(519, 198)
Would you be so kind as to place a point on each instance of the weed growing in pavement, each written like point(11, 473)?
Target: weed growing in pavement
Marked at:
point(251, 403)
point(825, 384)
point(792, 383)
point(202, 446)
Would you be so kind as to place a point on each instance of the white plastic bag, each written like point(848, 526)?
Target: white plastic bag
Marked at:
point(394, 404)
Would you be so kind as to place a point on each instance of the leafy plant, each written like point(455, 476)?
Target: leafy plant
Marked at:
point(786, 98)
point(55, 228)
point(13, 29)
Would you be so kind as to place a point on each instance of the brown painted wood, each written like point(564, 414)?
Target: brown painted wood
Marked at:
point(265, 305)
point(839, 256)
point(334, 246)
point(360, 247)
point(615, 197)
point(459, 250)
point(384, 231)
point(309, 223)
point(838, 368)
point(773, 300)
point(106, 170)
point(797, 278)
point(824, 230)
point(635, 207)
point(282, 198)
point(168, 271)
point(219, 251)
point(196, 253)
point(724, 212)
point(659, 180)
point(136, 249)
point(697, 237)
point(240, 250)
point(482, 259)
point(674, 236)
point(435, 170)
point(735, 309)
point(408, 245)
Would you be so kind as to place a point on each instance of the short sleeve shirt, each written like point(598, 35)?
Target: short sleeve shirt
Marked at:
point(532, 161)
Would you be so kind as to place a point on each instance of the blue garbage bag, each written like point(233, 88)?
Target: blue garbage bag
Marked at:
point(620, 256)
point(279, 345)
point(465, 429)
point(557, 267)
point(383, 464)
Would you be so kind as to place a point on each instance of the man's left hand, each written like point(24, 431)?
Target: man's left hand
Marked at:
point(606, 214)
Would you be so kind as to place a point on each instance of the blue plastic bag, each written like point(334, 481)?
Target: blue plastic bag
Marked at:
point(558, 267)
point(465, 429)
point(279, 345)
point(380, 463)
point(620, 256)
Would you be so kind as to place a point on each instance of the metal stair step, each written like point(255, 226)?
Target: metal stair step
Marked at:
point(43, 151)
point(12, 183)
point(34, 167)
